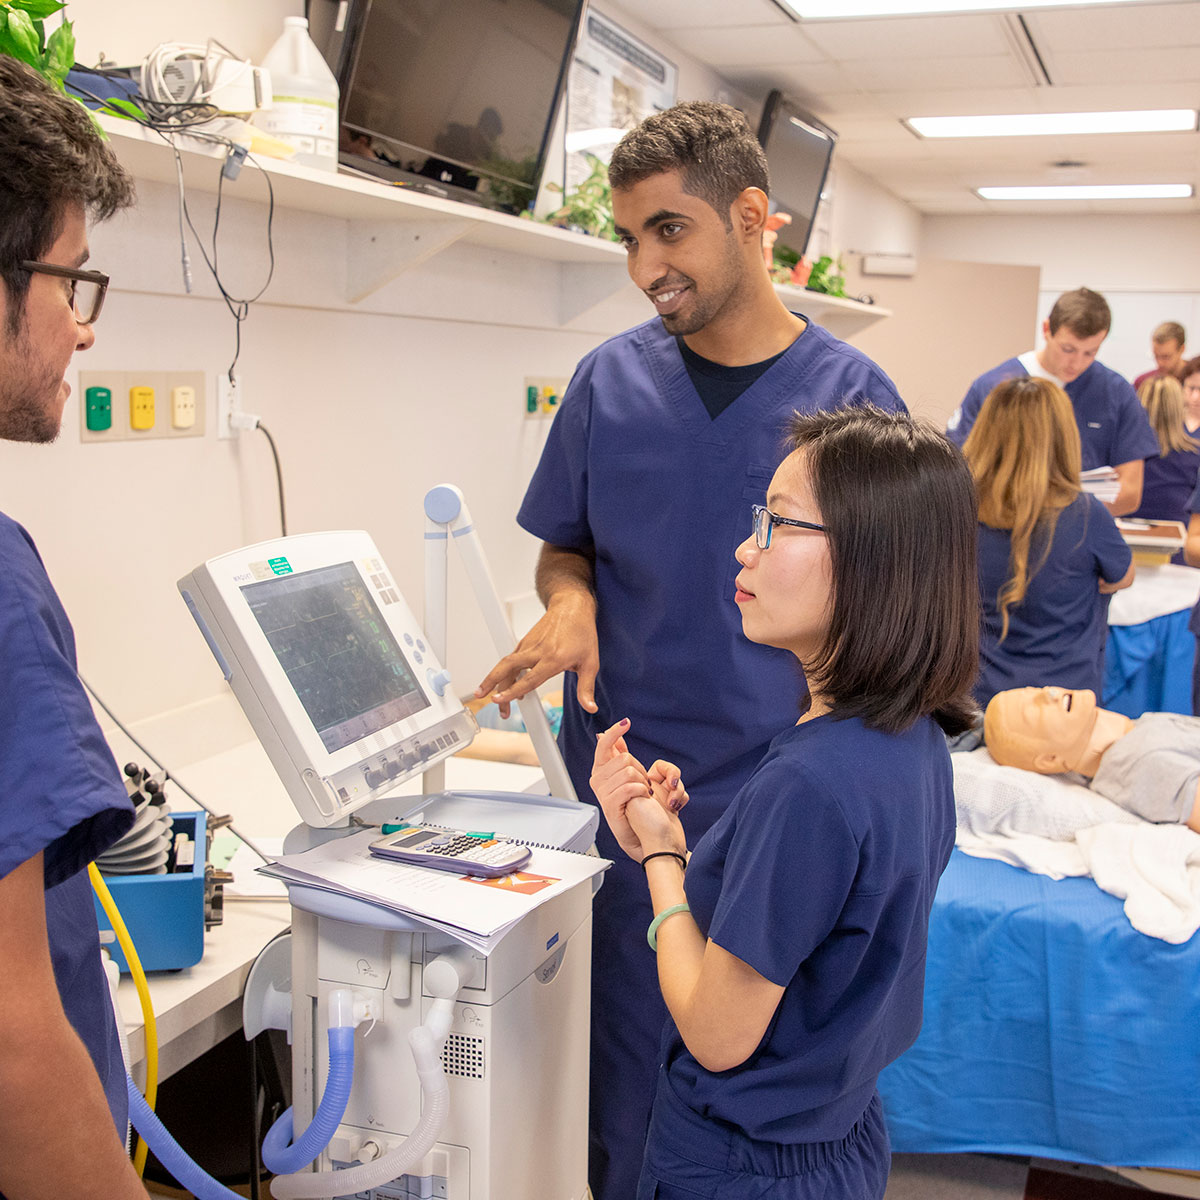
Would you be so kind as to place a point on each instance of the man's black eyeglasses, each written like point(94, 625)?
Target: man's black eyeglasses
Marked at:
point(87, 287)
point(765, 520)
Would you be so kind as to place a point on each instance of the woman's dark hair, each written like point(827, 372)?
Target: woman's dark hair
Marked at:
point(898, 504)
point(710, 144)
point(51, 156)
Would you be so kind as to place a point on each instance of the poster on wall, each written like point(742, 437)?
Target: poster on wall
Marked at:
point(616, 80)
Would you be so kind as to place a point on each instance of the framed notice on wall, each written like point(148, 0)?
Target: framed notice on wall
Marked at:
point(616, 81)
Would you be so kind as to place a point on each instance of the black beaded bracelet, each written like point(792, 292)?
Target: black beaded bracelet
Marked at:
point(665, 854)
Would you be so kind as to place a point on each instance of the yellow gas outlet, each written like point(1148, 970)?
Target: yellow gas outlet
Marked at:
point(543, 394)
point(141, 408)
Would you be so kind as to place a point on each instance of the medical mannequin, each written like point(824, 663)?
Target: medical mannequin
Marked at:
point(1149, 766)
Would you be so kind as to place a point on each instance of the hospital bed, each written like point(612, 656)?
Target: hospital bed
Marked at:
point(1052, 1027)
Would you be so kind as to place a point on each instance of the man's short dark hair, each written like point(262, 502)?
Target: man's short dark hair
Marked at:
point(710, 144)
point(1084, 312)
point(898, 504)
point(51, 156)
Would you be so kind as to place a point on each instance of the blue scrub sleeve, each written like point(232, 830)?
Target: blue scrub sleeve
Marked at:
point(789, 869)
point(555, 507)
point(60, 789)
point(963, 417)
point(1112, 552)
point(1134, 438)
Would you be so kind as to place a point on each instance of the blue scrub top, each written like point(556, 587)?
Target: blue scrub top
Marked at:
point(1168, 485)
point(1056, 634)
point(821, 875)
point(636, 469)
point(60, 793)
point(1113, 426)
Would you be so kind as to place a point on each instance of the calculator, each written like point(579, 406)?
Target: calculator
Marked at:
point(453, 850)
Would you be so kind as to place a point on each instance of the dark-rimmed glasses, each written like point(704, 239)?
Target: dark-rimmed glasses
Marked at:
point(765, 520)
point(87, 287)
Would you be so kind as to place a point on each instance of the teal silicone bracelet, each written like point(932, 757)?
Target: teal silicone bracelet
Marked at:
point(652, 932)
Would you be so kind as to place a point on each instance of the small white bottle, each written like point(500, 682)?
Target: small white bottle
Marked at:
point(305, 109)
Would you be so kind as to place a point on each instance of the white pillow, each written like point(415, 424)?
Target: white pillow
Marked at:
point(992, 799)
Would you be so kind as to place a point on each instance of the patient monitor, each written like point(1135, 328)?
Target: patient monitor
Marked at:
point(350, 698)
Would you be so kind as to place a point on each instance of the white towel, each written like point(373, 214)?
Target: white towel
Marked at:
point(1055, 827)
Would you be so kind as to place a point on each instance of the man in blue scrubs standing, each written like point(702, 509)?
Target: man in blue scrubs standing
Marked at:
point(1113, 427)
point(62, 1083)
point(667, 435)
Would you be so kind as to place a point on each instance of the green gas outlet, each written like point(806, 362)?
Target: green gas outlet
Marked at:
point(98, 409)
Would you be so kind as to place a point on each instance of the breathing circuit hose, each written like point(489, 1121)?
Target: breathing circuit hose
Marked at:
point(170, 1153)
point(280, 1155)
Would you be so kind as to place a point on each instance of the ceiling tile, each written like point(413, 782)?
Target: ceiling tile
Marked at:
point(748, 45)
point(1176, 64)
point(700, 14)
point(900, 74)
point(1066, 31)
point(924, 37)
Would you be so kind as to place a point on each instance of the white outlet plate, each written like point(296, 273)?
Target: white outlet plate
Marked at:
point(229, 401)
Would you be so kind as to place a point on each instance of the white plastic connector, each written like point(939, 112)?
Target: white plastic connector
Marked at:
point(352, 1008)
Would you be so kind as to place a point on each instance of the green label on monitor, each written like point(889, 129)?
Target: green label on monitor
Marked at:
point(279, 566)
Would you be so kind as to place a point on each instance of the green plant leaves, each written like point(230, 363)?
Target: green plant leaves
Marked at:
point(60, 53)
point(21, 39)
point(37, 9)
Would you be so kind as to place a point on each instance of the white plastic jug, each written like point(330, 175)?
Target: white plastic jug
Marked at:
point(305, 111)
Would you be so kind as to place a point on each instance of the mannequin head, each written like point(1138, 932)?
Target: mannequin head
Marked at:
point(1050, 730)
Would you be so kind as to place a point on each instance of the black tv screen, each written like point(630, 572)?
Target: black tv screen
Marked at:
point(798, 149)
point(456, 97)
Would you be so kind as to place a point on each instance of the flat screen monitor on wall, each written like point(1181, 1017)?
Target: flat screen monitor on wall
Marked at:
point(798, 149)
point(454, 97)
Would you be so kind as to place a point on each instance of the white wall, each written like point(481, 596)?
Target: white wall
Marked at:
point(1144, 264)
point(370, 404)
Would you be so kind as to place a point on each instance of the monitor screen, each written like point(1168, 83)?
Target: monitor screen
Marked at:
point(798, 149)
point(460, 92)
point(337, 651)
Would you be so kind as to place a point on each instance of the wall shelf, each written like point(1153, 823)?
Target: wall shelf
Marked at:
point(393, 229)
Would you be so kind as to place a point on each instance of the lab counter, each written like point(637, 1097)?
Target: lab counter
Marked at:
point(200, 1006)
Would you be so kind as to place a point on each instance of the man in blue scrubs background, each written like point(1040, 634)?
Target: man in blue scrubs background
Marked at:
point(62, 1083)
point(1113, 427)
point(667, 435)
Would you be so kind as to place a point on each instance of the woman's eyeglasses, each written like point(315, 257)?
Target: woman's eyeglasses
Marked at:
point(765, 520)
point(87, 287)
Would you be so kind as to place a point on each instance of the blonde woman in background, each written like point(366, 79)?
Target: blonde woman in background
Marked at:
point(1049, 553)
point(1171, 477)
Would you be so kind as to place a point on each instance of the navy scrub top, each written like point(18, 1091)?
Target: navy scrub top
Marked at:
point(1056, 635)
point(821, 876)
point(635, 468)
point(1113, 426)
point(60, 793)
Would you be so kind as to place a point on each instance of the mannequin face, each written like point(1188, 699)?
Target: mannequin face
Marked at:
point(1045, 729)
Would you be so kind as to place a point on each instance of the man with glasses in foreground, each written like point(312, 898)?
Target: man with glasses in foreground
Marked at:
point(666, 435)
point(62, 801)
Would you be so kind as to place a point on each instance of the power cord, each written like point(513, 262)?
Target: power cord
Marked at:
point(167, 773)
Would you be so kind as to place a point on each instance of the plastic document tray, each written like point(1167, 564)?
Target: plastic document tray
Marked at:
point(163, 913)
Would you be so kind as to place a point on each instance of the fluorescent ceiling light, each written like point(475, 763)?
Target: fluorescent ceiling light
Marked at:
point(1155, 120)
point(838, 10)
point(1091, 191)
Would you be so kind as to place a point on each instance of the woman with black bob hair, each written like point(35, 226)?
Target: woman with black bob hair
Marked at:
point(792, 953)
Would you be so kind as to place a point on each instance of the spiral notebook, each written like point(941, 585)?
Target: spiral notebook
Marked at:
point(477, 911)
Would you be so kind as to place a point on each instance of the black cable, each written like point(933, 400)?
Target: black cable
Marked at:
point(278, 475)
point(166, 773)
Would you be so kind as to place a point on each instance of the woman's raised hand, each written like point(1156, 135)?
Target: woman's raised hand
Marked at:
point(625, 790)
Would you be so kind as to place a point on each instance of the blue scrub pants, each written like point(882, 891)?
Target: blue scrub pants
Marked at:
point(691, 1158)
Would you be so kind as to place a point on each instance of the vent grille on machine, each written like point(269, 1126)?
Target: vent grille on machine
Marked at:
point(463, 1056)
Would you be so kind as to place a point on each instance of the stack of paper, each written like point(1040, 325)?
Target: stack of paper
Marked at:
point(1101, 482)
point(476, 911)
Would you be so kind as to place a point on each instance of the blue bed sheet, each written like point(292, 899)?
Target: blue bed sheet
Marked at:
point(1052, 1028)
point(1148, 667)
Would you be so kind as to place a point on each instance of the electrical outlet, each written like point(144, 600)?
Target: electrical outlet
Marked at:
point(141, 405)
point(542, 396)
point(229, 401)
point(183, 406)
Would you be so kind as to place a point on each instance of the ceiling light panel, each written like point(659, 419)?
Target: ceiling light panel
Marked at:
point(1158, 120)
point(1098, 191)
point(841, 10)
